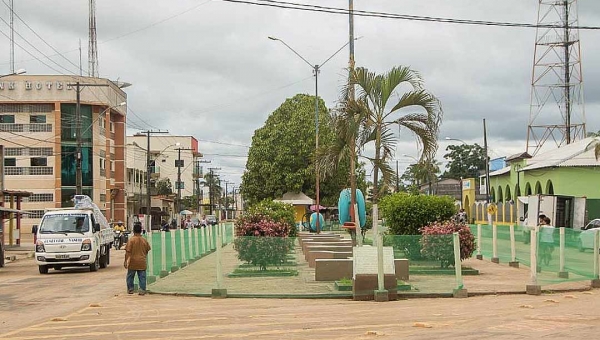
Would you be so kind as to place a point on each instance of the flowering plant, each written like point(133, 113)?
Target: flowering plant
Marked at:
point(437, 243)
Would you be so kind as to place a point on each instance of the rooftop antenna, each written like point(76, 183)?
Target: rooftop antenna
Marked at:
point(557, 110)
point(93, 44)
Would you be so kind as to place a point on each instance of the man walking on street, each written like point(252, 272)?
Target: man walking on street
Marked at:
point(135, 259)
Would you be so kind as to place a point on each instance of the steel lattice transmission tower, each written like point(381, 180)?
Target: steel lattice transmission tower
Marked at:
point(93, 44)
point(557, 108)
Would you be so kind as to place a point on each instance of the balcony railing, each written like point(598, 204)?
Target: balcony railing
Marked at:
point(103, 172)
point(7, 127)
point(28, 171)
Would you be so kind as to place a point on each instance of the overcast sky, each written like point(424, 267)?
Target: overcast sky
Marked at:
point(207, 69)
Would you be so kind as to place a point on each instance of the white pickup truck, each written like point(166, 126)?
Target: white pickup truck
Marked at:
point(78, 236)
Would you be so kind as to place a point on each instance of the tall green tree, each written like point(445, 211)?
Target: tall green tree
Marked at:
point(164, 187)
point(281, 157)
point(465, 160)
point(416, 110)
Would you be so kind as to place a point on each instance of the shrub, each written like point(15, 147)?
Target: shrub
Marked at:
point(277, 211)
point(437, 244)
point(405, 214)
point(262, 241)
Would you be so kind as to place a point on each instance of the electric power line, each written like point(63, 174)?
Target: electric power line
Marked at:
point(386, 15)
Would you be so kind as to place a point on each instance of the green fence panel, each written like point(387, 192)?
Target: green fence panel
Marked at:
point(431, 259)
point(156, 248)
point(178, 249)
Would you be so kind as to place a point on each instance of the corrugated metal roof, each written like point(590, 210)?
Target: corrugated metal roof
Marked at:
point(498, 172)
point(572, 155)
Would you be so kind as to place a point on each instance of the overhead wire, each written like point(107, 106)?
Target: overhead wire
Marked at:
point(387, 15)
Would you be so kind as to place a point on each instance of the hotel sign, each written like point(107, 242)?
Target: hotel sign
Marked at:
point(36, 85)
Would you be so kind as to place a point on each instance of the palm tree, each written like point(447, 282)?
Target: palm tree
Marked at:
point(376, 94)
point(348, 125)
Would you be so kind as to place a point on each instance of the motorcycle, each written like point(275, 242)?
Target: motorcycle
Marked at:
point(118, 239)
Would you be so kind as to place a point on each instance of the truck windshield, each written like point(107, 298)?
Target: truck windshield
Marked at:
point(64, 224)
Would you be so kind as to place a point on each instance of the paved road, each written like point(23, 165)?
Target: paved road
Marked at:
point(77, 304)
point(560, 316)
point(27, 297)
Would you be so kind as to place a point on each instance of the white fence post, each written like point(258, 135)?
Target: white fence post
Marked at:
point(561, 254)
point(513, 248)
point(191, 243)
point(495, 258)
point(163, 254)
point(533, 288)
point(459, 291)
point(174, 265)
point(479, 255)
point(183, 257)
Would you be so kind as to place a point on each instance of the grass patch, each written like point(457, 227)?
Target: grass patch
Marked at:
point(436, 270)
point(245, 272)
point(283, 265)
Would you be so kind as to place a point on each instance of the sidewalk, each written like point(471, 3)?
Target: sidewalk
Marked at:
point(15, 253)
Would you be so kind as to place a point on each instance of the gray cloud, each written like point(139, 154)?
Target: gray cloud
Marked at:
point(213, 73)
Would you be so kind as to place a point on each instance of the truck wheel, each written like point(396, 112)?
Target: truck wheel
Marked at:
point(43, 269)
point(104, 257)
point(94, 266)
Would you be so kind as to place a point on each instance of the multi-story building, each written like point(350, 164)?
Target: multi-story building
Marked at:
point(38, 128)
point(166, 153)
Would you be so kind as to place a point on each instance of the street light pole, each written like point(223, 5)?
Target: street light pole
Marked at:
point(316, 68)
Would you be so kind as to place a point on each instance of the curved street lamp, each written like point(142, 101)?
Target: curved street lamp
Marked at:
point(456, 139)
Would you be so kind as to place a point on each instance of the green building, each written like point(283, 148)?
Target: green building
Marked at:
point(569, 171)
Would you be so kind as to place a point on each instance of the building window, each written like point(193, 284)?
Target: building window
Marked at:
point(7, 119)
point(13, 151)
point(69, 128)
point(39, 161)
point(10, 162)
point(39, 198)
point(35, 214)
point(27, 108)
point(37, 119)
point(102, 197)
point(112, 127)
point(40, 152)
point(68, 165)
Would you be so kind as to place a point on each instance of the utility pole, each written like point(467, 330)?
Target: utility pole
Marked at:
point(78, 156)
point(148, 171)
point(487, 165)
point(179, 164)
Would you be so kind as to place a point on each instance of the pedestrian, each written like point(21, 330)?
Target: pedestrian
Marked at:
point(34, 230)
point(546, 239)
point(188, 223)
point(135, 259)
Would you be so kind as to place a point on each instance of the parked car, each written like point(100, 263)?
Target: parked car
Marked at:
point(586, 237)
point(211, 219)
